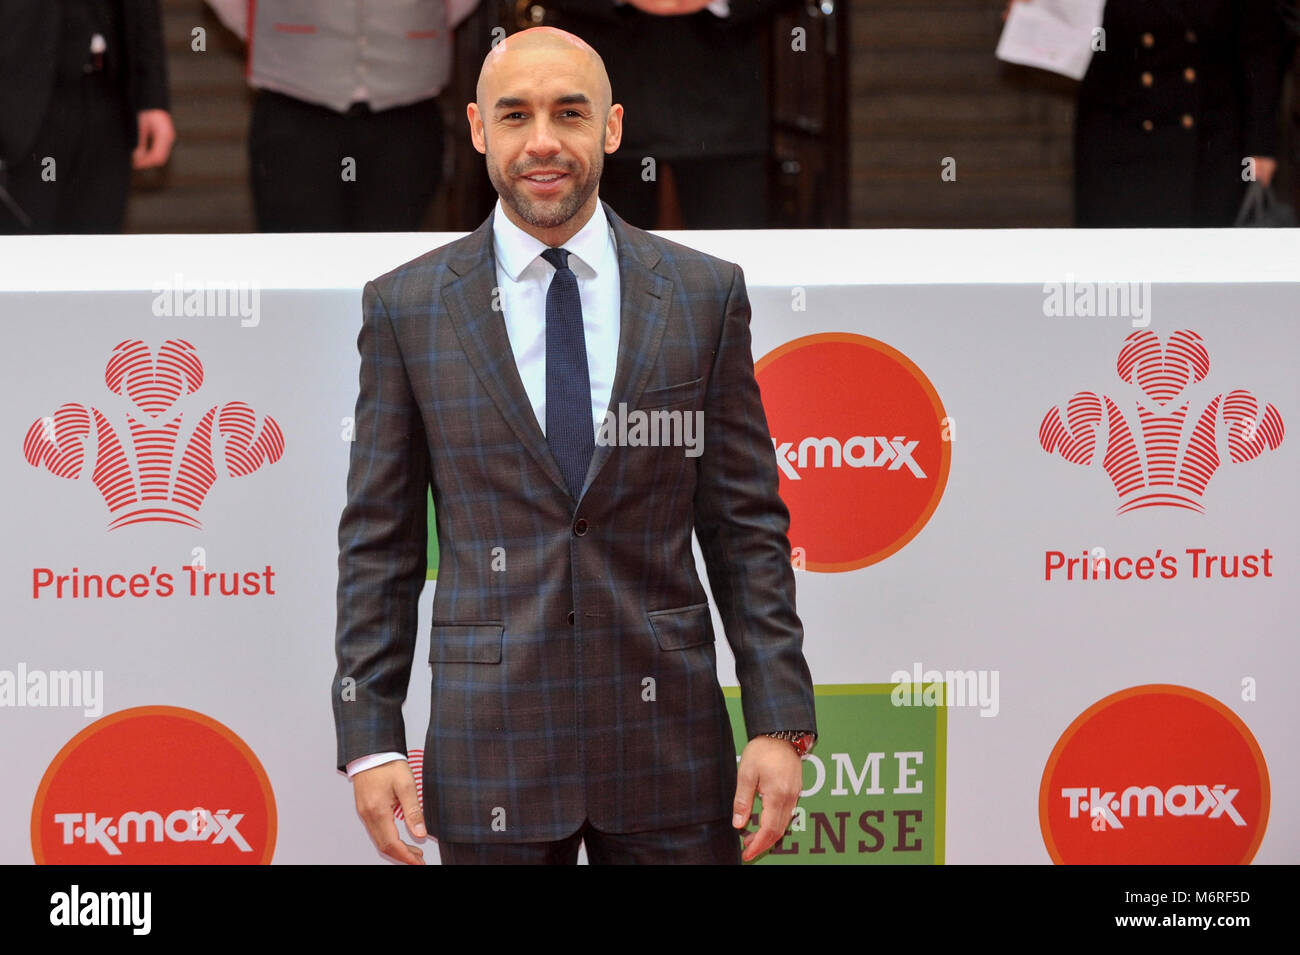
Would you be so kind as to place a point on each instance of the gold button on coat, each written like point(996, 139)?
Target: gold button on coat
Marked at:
point(1148, 125)
point(1147, 79)
point(1188, 122)
point(1148, 40)
point(1189, 74)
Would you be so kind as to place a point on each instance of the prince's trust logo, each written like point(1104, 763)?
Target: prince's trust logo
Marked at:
point(156, 469)
point(1156, 448)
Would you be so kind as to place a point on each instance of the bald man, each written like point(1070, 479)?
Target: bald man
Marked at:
point(578, 396)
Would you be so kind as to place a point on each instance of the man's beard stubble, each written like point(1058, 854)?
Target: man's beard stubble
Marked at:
point(529, 210)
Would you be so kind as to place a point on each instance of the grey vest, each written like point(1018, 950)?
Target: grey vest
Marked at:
point(391, 52)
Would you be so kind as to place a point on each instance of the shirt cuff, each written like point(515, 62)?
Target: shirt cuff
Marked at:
point(362, 763)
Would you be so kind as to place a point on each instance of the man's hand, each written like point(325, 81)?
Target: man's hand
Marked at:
point(772, 768)
point(1265, 169)
point(156, 137)
point(1007, 12)
point(377, 791)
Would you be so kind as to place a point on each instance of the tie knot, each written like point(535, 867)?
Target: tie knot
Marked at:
point(557, 257)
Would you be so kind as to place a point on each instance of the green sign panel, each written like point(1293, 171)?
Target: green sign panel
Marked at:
point(873, 787)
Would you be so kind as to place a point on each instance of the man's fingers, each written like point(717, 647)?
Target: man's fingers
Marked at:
point(399, 851)
point(157, 135)
point(409, 800)
point(147, 154)
point(378, 791)
point(772, 769)
point(383, 832)
point(746, 783)
point(777, 810)
point(390, 844)
point(755, 843)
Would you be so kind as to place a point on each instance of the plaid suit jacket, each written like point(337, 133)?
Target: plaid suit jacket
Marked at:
point(572, 650)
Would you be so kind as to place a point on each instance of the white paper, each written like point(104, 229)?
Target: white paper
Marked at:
point(1054, 35)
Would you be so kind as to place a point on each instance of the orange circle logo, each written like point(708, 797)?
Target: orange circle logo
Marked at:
point(1155, 775)
point(154, 785)
point(863, 445)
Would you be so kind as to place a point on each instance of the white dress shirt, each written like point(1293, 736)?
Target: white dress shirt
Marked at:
point(524, 277)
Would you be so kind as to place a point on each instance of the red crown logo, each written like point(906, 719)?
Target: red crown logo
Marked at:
point(153, 482)
point(1158, 454)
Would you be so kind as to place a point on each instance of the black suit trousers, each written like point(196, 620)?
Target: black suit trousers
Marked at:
point(707, 843)
point(297, 152)
point(715, 192)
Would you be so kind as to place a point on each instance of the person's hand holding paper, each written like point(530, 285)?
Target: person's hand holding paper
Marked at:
point(1056, 35)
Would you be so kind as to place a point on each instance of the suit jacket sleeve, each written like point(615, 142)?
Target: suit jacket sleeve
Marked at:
point(148, 56)
point(383, 538)
point(742, 525)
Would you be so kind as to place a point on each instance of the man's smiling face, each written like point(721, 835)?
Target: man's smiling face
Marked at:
point(544, 120)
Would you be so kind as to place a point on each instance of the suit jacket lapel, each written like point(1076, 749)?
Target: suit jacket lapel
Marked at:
point(482, 333)
point(643, 309)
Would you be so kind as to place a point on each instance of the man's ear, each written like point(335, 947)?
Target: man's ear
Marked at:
point(613, 128)
point(477, 134)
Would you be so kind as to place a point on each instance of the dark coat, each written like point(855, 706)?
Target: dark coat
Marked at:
point(1185, 90)
point(29, 39)
point(692, 87)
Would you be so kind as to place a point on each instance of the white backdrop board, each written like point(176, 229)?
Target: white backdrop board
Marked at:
point(996, 482)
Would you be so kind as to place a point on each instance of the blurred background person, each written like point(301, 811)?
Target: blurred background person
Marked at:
point(690, 78)
point(83, 100)
point(346, 134)
point(1184, 92)
point(1291, 129)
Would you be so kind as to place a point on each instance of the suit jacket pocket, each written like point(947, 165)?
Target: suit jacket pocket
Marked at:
point(673, 394)
point(466, 642)
point(682, 627)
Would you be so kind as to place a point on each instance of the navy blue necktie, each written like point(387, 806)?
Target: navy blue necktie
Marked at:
point(569, 427)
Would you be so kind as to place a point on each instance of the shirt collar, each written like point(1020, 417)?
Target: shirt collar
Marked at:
point(516, 249)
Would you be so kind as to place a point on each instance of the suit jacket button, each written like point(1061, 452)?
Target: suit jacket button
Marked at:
point(1188, 122)
point(1190, 36)
point(1148, 125)
point(1148, 40)
point(1147, 79)
point(580, 526)
point(570, 618)
point(1189, 74)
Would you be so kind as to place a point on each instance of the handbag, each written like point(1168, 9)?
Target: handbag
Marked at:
point(1262, 209)
point(7, 201)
